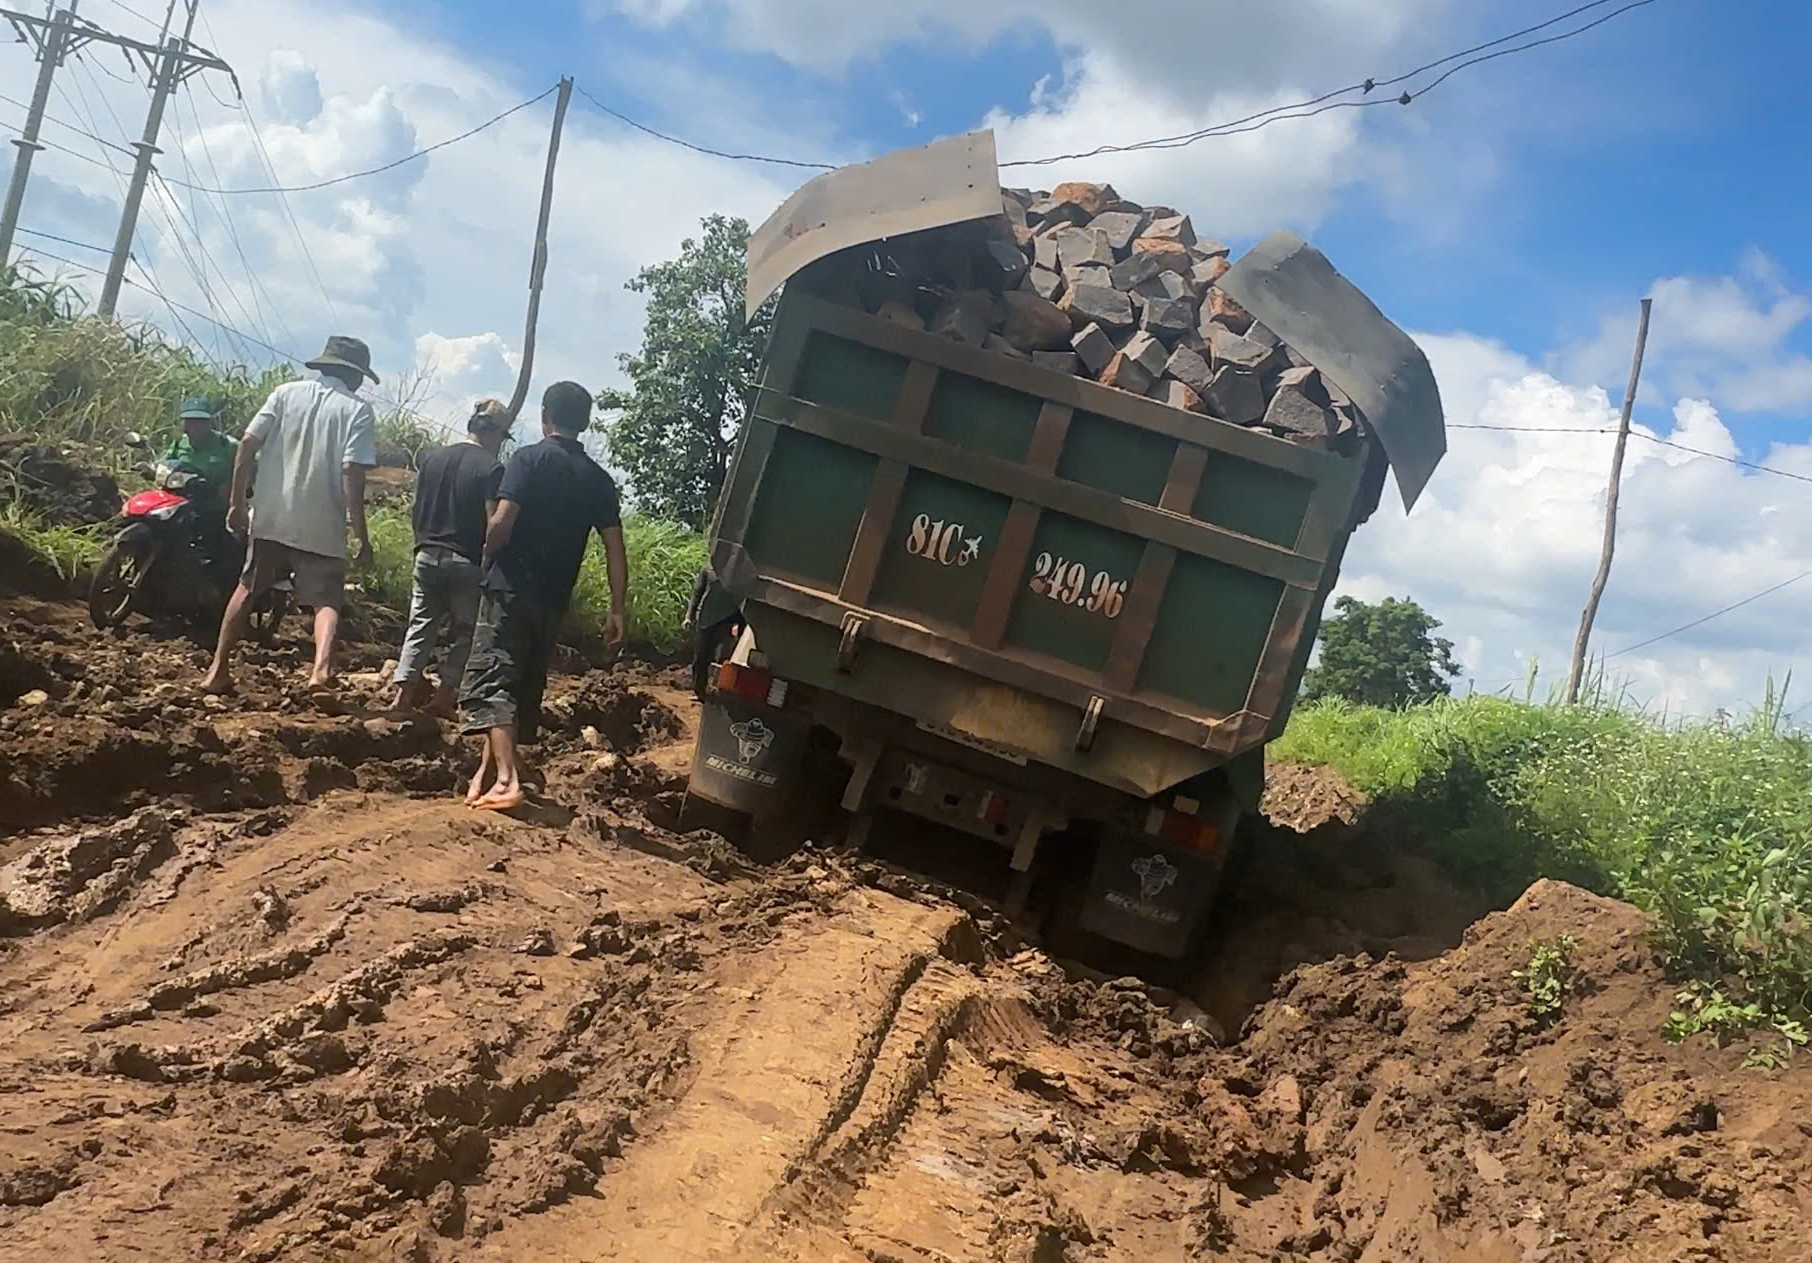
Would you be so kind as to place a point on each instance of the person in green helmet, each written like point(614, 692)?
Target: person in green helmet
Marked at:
point(202, 447)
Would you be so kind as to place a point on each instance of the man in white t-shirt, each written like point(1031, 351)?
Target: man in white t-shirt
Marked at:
point(312, 443)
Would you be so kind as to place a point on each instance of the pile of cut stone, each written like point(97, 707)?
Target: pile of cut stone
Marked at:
point(1081, 281)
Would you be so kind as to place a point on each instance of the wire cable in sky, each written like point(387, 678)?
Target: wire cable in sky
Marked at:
point(388, 166)
point(1533, 429)
point(1326, 102)
point(1700, 622)
point(686, 144)
point(62, 241)
point(1634, 433)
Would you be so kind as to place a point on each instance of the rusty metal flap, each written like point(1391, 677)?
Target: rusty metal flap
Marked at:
point(1291, 288)
point(910, 190)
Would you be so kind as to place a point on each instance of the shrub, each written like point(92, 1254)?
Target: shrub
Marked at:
point(1706, 827)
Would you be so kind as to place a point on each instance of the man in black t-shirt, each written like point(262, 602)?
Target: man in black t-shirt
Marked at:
point(454, 489)
point(552, 497)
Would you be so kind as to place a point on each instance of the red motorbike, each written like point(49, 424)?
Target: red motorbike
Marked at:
point(172, 558)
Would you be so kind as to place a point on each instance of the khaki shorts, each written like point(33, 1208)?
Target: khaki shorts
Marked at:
point(320, 582)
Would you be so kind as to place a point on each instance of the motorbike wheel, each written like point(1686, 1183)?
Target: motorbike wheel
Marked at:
point(268, 614)
point(116, 582)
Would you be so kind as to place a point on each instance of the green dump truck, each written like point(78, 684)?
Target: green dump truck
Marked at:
point(1019, 603)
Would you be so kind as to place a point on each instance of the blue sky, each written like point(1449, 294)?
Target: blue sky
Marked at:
point(1510, 219)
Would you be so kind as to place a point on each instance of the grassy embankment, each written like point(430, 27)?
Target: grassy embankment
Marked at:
point(81, 384)
point(1705, 826)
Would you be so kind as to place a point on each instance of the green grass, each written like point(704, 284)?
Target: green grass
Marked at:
point(1707, 827)
point(70, 550)
point(663, 558)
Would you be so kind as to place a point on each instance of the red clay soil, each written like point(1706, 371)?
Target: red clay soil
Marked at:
point(267, 992)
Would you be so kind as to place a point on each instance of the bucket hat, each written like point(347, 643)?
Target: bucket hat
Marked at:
point(345, 352)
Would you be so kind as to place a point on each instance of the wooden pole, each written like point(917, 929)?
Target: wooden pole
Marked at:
point(538, 265)
point(1610, 515)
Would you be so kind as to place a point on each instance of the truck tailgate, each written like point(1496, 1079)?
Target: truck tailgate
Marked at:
point(1095, 579)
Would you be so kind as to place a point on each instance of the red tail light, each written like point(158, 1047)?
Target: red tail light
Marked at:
point(751, 684)
point(1182, 830)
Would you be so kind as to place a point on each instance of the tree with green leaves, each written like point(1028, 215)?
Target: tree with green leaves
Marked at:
point(672, 431)
point(1381, 655)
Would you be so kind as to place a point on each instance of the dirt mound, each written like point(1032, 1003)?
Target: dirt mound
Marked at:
point(23, 572)
point(55, 486)
point(1436, 1117)
point(608, 714)
point(1306, 798)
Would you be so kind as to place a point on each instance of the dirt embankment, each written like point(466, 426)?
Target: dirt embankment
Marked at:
point(271, 994)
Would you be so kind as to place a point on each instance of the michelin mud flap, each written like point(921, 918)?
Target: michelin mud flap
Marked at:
point(747, 756)
point(1147, 896)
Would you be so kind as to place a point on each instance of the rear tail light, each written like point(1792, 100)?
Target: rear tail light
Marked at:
point(1179, 829)
point(751, 684)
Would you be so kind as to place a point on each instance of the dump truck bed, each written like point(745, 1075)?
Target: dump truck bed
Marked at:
point(1048, 567)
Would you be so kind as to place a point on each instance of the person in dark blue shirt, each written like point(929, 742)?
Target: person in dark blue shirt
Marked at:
point(552, 497)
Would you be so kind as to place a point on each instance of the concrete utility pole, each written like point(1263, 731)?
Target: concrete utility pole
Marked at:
point(172, 67)
point(1610, 515)
point(58, 38)
point(53, 44)
point(538, 263)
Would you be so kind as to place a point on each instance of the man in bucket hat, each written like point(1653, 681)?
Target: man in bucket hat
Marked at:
point(312, 442)
point(455, 490)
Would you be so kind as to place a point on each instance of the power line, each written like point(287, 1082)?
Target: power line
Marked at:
point(1532, 429)
point(1552, 39)
point(686, 144)
point(71, 127)
point(1731, 460)
point(388, 166)
point(1700, 622)
point(63, 241)
point(196, 272)
point(251, 274)
point(289, 211)
point(1652, 438)
point(1325, 102)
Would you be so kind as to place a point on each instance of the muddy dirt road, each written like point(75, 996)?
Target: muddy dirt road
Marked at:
point(267, 993)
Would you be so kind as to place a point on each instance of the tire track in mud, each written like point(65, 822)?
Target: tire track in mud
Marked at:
point(775, 1075)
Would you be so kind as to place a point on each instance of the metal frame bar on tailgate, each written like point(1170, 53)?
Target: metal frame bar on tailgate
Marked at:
point(899, 444)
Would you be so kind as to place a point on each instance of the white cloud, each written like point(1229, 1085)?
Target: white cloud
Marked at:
point(1503, 544)
point(440, 243)
point(1726, 336)
point(1182, 44)
point(1170, 67)
point(1236, 186)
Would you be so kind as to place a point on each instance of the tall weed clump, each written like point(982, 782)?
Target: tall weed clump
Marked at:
point(1705, 826)
point(663, 559)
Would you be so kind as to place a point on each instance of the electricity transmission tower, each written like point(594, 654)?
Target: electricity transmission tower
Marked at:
point(169, 63)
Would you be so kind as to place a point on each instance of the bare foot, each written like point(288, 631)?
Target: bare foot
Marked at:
point(501, 798)
point(476, 790)
point(217, 682)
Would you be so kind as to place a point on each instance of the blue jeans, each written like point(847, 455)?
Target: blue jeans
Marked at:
point(445, 597)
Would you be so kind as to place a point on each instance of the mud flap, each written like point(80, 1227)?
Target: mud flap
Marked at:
point(746, 755)
point(1147, 896)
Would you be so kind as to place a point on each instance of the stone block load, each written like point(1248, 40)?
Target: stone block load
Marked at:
point(1081, 281)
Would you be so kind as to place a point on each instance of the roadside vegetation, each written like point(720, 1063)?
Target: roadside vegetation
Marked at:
point(1706, 826)
point(80, 385)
